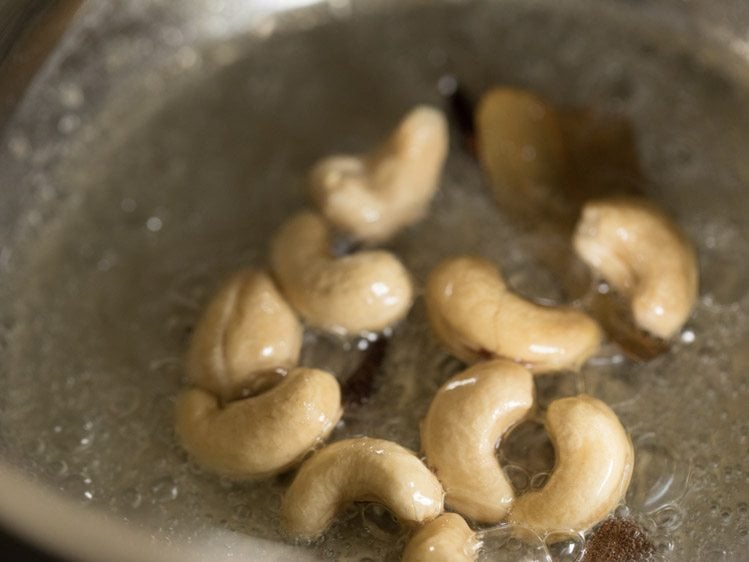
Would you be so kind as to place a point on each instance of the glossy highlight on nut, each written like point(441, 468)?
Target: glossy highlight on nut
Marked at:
point(593, 467)
point(459, 436)
point(645, 256)
point(362, 469)
point(364, 291)
point(248, 327)
point(475, 315)
point(445, 539)
point(261, 435)
point(371, 197)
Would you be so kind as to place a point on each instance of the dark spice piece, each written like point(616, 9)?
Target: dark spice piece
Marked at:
point(460, 109)
point(357, 388)
point(618, 540)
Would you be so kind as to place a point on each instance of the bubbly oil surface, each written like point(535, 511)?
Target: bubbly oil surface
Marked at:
point(151, 211)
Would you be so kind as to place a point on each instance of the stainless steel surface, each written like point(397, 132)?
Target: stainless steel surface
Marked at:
point(162, 143)
point(29, 32)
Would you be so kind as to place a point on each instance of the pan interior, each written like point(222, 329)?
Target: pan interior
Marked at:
point(166, 195)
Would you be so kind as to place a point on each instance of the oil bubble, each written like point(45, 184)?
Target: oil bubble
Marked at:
point(668, 518)
point(164, 489)
point(518, 477)
point(79, 487)
point(132, 498)
point(529, 447)
point(658, 477)
point(509, 543)
point(564, 547)
point(538, 480)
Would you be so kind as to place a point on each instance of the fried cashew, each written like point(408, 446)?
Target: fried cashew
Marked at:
point(246, 329)
point(364, 291)
point(264, 434)
point(445, 539)
point(521, 148)
point(361, 469)
point(645, 256)
point(371, 197)
point(476, 316)
point(459, 436)
point(594, 461)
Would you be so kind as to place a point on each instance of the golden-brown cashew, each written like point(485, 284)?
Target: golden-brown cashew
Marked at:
point(475, 315)
point(365, 291)
point(445, 539)
point(644, 255)
point(361, 469)
point(264, 434)
point(594, 461)
point(247, 328)
point(371, 197)
point(467, 417)
point(521, 148)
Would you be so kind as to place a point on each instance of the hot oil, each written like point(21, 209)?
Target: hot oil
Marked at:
point(105, 293)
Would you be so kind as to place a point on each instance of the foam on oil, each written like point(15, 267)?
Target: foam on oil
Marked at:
point(106, 291)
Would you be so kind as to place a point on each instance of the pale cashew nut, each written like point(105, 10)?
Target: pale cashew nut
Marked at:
point(476, 316)
point(372, 196)
point(365, 291)
point(594, 461)
point(262, 435)
point(466, 419)
point(645, 256)
point(246, 329)
point(521, 147)
point(445, 539)
point(361, 469)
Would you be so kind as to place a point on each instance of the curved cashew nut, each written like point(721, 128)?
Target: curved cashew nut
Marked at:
point(521, 146)
point(359, 292)
point(474, 314)
point(467, 417)
point(594, 461)
point(247, 328)
point(262, 435)
point(373, 196)
point(644, 255)
point(445, 539)
point(362, 469)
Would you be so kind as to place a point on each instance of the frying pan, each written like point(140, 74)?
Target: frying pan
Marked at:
point(150, 148)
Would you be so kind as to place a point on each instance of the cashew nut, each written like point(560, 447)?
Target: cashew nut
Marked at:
point(365, 291)
point(361, 469)
point(474, 314)
point(644, 255)
point(445, 539)
point(264, 434)
point(372, 196)
point(467, 417)
point(247, 328)
point(521, 147)
point(594, 461)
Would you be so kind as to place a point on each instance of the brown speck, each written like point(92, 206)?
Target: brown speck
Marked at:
point(618, 540)
point(358, 387)
point(485, 354)
point(460, 110)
